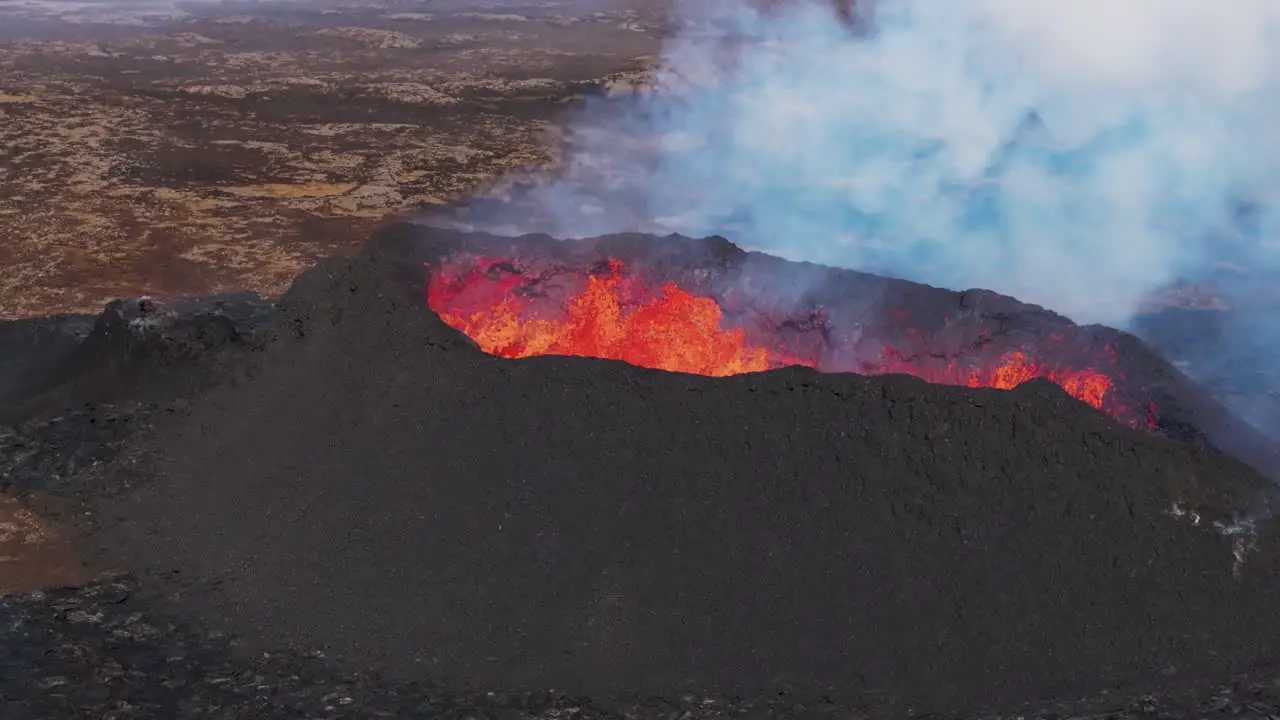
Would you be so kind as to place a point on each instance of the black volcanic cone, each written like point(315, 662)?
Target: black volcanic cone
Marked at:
point(379, 488)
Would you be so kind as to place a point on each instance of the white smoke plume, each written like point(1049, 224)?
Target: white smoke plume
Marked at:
point(1078, 155)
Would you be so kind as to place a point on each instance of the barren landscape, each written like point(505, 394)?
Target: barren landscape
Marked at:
point(220, 147)
point(276, 440)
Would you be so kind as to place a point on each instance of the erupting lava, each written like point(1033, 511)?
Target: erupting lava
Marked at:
point(610, 319)
point(1011, 370)
point(620, 318)
point(1016, 369)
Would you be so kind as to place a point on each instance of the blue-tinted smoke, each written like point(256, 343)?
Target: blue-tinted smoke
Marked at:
point(1078, 155)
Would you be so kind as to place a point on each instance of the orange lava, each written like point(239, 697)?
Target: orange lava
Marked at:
point(1008, 372)
point(620, 319)
point(1015, 369)
point(673, 331)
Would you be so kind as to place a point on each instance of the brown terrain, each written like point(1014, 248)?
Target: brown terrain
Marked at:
point(220, 147)
point(35, 552)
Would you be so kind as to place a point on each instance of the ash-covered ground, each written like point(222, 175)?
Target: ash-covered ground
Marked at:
point(349, 475)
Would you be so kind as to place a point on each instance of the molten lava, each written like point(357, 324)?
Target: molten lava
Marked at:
point(1086, 385)
point(1007, 372)
point(620, 318)
point(673, 331)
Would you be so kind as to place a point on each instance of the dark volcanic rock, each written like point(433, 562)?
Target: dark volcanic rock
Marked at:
point(134, 350)
point(102, 651)
point(75, 388)
point(376, 487)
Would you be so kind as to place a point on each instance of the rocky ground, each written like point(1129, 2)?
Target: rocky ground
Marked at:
point(194, 149)
point(96, 651)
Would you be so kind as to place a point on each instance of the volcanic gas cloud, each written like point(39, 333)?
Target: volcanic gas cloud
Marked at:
point(605, 310)
point(1081, 156)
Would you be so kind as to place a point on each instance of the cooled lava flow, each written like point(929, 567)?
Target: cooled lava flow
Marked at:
point(512, 314)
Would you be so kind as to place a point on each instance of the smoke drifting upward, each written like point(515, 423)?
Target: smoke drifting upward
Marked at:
point(1076, 155)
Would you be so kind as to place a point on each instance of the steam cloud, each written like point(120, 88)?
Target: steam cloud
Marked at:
point(1078, 155)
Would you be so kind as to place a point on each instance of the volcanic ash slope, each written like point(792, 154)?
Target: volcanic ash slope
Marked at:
point(377, 487)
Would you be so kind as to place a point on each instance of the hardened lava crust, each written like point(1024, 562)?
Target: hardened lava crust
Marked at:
point(369, 484)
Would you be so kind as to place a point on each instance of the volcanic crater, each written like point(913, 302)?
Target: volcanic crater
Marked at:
point(707, 307)
point(371, 482)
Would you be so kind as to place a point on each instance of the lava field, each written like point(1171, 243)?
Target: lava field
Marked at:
point(362, 478)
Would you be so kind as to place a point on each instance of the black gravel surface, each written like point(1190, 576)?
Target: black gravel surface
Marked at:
point(102, 652)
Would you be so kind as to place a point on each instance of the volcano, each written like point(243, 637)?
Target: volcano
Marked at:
point(372, 483)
